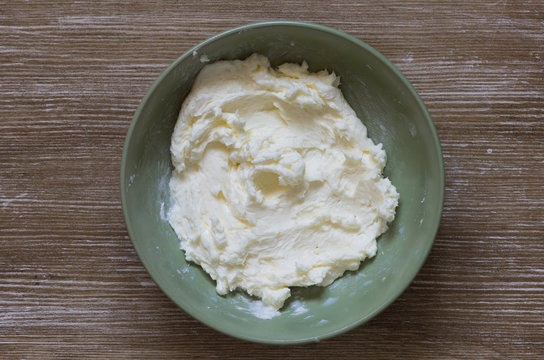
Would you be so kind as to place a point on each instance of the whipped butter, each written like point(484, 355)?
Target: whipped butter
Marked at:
point(276, 183)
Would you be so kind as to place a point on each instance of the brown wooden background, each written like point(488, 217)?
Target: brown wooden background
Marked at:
point(71, 76)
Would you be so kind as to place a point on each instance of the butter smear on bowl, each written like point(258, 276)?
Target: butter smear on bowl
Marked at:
point(275, 182)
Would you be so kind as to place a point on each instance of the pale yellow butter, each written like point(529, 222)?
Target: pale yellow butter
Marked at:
point(276, 183)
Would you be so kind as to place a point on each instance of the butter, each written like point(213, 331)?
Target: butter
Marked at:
point(275, 181)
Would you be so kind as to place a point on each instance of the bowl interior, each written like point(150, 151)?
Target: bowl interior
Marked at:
point(394, 116)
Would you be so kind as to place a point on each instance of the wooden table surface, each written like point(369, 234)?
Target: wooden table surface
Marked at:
point(71, 76)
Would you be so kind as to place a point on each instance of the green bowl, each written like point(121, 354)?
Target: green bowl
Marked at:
point(394, 115)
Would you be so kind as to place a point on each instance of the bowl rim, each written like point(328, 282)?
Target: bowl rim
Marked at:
point(387, 63)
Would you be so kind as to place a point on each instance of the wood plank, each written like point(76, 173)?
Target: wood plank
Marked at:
point(71, 76)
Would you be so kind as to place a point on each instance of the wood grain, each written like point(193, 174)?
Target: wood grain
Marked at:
point(71, 76)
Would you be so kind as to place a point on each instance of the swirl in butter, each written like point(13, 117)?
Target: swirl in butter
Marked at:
point(276, 183)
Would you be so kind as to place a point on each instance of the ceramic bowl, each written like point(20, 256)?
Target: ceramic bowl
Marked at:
point(394, 116)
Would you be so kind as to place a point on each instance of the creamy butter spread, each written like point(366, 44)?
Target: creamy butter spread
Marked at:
point(276, 183)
